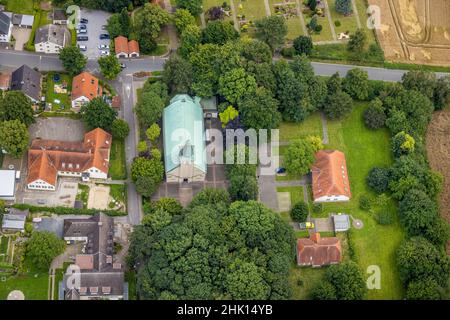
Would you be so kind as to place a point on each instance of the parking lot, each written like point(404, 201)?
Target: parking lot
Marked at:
point(96, 20)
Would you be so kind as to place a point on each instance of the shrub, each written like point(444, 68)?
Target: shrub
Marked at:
point(384, 217)
point(288, 52)
point(378, 179)
point(374, 115)
point(299, 212)
point(317, 207)
point(337, 23)
point(318, 28)
point(364, 203)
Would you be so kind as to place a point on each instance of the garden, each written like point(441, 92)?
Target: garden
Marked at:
point(117, 162)
point(57, 88)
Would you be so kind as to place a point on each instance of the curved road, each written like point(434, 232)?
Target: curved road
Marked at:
point(52, 62)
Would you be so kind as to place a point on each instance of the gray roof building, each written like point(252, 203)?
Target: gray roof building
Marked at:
point(5, 22)
point(28, 81)
point(59, 14)
point(14, 220)
point(341, 222)
point(51, 33)
point(23, 20)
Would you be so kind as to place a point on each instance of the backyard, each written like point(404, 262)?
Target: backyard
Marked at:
point(375, 244)
point(58, 87)
point(117, 169)
point(19, 6)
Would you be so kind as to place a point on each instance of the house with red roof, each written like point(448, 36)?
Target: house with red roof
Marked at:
point(49, 159)
point(330, 181)
point(125, 48)
point(316, 251)
point(85, 87)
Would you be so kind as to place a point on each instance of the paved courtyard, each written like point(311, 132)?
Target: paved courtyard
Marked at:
point(64, 129)
point(94, 28)
point(22, 35)
point(64, 196)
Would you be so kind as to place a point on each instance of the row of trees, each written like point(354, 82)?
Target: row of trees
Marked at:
point(214, 249)
point(406, 109)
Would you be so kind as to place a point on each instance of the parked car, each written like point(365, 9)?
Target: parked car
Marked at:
point(82, 47)
point(280, 170)
point(81, 26)
point(104, 53)
point(104, 27)
point(104, 36)
point(306, 225)
point(82, 38)
point(84, 20)
point(81, 31)
point(103, 46)
point(123, 66)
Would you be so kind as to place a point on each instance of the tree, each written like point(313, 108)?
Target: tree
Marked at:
point(143, 167)
point(356, 84)
point(119, 24)
point(357, 42)
point(182, 19)
point(316, 142)
point(423, 81)
point(299, 157)
point(402, 143)
point(120, 129)
point(423, 289)
point(344, 6)
point(149, 22)
point(153, 132)
point(109, 66)
point(272, 30)
point(324, 291)
point(418, 259)
point(256, 51)
point(215, 13)
point(42, 248)
point(338, 105)
point(312, 25)
point(219, 32)
point(417, 212)
point(211, 196)
point(441, 97)
point(227, 115)
point(260, 110)
point(317, 89)
point(312, 4)
point(177, 74)
point(348, 281)
point(300, 212)
point(378, 179)
point(98, 114)
point(303, 45)
point(243, 187)
point(16, 106)
point(149, 108)
point(437, 232)
point(235, 84)
point(73, 60)
point(193, 6)
point(146, 186)
point(245, 281)
point(14, 137)
point(334, 84)
point(142, 146)
point(190, 38)
point(374, 115)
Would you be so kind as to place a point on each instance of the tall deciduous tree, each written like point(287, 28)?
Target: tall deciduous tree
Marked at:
point(348, 281)
point(219, 32)
point(272, 30)
point(182, 19)
point(357, 42)
point(194, 6)
point(299, 157)
point(177, 74)
point(338, 105)
point(14, 137)
point(120, 129)
point(303, 45)
point(16, 106)
point(42, 248)
point(109, 66)
point(260, 110)
point(73, 60)
point(98, 114)
point(235, 84)
point(356, 84)
point(149, 22)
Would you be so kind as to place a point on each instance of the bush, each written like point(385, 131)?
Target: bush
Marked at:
point(374, 115)
point(299, 212)
point(384, 217)
point(288, 52)
point(324, 291)
point(317, 207)
point(364, 203)
point(318, 28)
point(337, 23)
point(378, 179)
point(303, 45)
point(67, 211)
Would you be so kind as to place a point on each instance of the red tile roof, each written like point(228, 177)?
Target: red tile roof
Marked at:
point(317, 251)
point(121, 45)
point(329, 174)
point(47, 157)
point(85, 84)
point(133, 47)
point(5, 80)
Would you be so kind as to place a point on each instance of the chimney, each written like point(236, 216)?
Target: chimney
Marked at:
point(315, 237)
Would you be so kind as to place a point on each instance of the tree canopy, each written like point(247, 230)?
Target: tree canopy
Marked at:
point(42, 247)
point(299, 157)
point(109, 66)
point(98, 114)
point(14, 137)
point(272, 30)
point(16, 106)
point(73, 60)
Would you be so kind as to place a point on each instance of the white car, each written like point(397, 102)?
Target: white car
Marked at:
point(82, 47)
point(103, 46)
point(104, 53)
point(81, 31)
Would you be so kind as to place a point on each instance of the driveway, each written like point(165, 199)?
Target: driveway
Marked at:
point(22, 35)
point(96, 19)
point(64, 196)
point(64, 129)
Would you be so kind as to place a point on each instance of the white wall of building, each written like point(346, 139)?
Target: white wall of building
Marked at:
point(80, 101)
point(41, 185)
point(334, 198)
point(47, 47)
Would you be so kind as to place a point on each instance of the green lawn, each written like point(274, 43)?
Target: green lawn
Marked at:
point(117, 169)
point(312, 126)
point(20, 6)
point(50, 95)
point(118, 192)
point(296, 193)
point(33, 285)
point(374, 244)
point(293, 23)
point(348, 23)
point(308, 276)
point(83, 194)
point(325, 34)
point(130, 277)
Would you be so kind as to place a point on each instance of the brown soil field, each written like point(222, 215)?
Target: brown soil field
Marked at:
point(415, 31)
point(438, 151)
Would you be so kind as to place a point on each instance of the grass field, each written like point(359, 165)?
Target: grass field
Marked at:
point(117, 169)
point(50, 95)
point(374, 244)
point(20, 6)
point(348, 24)
point(293, 23)
point(325, 34)
point(311, 126)
point(118, 192)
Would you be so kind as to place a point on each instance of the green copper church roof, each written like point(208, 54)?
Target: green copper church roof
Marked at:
point(183, 133)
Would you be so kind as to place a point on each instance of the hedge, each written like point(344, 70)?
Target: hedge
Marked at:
point(66, 211)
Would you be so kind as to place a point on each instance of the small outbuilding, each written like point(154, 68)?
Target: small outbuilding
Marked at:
point(8, 185)
point(14, 220)
point(341, 222)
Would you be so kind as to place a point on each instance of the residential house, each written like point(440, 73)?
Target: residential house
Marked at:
point(51, 38)
point(85, 87)
point(28, 81)
point(48, 159)
point(5, 27)
point(184, 140)
point(14, 220)
point(5, 80)
point(7, 185)
point(317, 251)
point(330, 181)
point(100, 277)
point(59, 17)
point(125, 48)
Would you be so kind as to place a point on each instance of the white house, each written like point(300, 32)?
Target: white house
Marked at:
point(5, 27)
point(51, 38)
point(85, 87)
